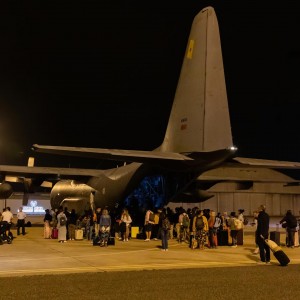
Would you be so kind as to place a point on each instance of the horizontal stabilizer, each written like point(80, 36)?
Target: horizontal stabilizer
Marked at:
point(240, 173)
point(275, 164)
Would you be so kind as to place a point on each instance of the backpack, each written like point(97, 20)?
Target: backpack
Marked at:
point(185, 221)
point(199, 223)
point(218, 222)
point(62, 221)
point(246, 221)
point(165, 225)
point(237, 224)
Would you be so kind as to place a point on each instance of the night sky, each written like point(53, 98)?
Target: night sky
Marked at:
point(103, 74)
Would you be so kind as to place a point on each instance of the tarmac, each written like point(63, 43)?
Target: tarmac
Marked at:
point(31, 254)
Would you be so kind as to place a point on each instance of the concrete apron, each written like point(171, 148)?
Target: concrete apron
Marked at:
point(33, 255)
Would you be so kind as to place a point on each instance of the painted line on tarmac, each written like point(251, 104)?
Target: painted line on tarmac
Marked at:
point(111, 268)
point(141, 267)
point(198, 264)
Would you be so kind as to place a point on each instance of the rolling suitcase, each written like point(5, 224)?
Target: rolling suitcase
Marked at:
point(240, 237)
point(54, 234)
point(78, 234)
point(111, 241)
point(275, 237)
point(222, 237)
point(215, 239)
point(277, 251)
point(134, 231)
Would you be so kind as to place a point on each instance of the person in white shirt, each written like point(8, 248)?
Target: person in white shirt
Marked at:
point(241, 215)
point(149, 221)
point(21, 216)
point(125, 224)
point(7, 218)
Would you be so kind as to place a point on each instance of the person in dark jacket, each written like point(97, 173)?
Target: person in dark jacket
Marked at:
point(73, 217)
point(291, 224)
point(263, 221)
point(164, 232)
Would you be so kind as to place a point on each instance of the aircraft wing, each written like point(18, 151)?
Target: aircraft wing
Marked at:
point(111, 154)
point(11, 170)
point(33, 177)
point(150, 156)
point(144, 156)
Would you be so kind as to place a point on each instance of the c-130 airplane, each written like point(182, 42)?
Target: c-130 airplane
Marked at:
point(198, 138)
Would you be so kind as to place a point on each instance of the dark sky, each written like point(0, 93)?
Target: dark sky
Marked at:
point(103, 74)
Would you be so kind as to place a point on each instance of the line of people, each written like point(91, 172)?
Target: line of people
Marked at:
point(91, 223)
point(195, 226)
point(198, 228)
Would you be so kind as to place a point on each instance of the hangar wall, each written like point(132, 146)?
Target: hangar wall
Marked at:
point(277, 204)
point(277, 197)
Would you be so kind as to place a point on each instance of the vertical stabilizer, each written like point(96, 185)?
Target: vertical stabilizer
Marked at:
point(199, 120)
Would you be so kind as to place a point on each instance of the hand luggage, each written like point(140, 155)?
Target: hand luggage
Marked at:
point(296, 244)
point(78, 234)
point(111, 241)
point(194, 243)
point(277, 251)
point(54, 234)
point(275, 237)
point(96, 241)
point(215, 239)
point(222, 237)
point(134, 231)
point(140, 236)
point(240, 237)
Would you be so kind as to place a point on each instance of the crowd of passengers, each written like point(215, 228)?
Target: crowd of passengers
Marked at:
point(120, 224)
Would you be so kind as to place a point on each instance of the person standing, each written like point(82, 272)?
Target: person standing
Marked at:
point(263, 221)
point(241, 215)
point(7, 218)
point(193, 213)
point(200, 229)
point(232, 223)
point(291, 224)
point(72, 224)
point(105, 226)
point(254, 224)
point(164, 227)
point(170, 215)
point(149, 221)
point(212, 232)
point(62, 226)
point(47, 224)
point(67, 214)
point(125, 224)
point(96, 218)
point(21, 216)
point(184, 224)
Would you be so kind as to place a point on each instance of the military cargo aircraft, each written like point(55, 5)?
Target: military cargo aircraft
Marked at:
point(198, 138)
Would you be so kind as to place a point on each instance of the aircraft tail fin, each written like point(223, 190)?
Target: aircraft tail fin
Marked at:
point(199, 119)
